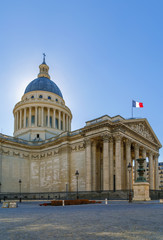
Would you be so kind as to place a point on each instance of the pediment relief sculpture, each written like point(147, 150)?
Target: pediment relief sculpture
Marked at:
point(143, 130)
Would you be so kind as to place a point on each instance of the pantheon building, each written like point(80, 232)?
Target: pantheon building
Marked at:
point(44, 153)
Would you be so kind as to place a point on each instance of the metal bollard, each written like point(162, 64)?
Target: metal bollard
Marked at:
point(106, 201)
point(63, 202)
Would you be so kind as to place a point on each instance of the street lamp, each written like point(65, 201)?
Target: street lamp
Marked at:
point(0, 191)
point(77, 175)
point(20, 190)
point(130, 180)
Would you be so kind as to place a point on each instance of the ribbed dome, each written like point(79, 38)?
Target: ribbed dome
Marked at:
point(43, 84)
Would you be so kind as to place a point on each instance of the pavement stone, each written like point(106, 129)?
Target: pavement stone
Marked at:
point(117, 220)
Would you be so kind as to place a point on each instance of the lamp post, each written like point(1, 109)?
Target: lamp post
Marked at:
point(20, 190)
point(77, 175)
point(0, 191)
point(129, 170)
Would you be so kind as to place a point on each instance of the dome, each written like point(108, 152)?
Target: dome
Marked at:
point(43, 84)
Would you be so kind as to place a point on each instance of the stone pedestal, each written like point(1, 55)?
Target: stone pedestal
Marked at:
point(141, 191)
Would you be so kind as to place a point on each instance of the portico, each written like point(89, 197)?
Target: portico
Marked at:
point(110, 153)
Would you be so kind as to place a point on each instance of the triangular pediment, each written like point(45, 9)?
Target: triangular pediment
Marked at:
point(142, 127)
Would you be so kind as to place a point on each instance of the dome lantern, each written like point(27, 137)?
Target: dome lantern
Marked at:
point(44, 69)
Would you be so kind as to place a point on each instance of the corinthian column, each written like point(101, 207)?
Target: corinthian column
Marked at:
point(88, 164)
point(63, 121)
point(111, 164)
point(156, 172)
point(14, 122)
point(128, 160)
point(59, 120)
point(151, 172)
point(30, 109)
point(42, 116)
point(17, 120)
point(136, 149)
point(24, 117)
point(94, 165)
point(144, 155)
point(118, 175)
point(48, 117)
point(106, 162)
point(53, 118)
point(35, 116)
point(20, 118)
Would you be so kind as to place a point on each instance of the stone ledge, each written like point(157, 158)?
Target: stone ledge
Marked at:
point(11, 204)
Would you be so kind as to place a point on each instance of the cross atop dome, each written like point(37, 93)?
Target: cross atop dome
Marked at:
point(44, 55)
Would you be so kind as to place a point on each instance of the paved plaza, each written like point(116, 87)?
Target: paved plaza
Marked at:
point(117, 220)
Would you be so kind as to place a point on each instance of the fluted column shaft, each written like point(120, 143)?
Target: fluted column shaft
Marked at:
point(66, 122)
point(88, 165)
point(106, 163)
point(59, 120)
point(144, 155)
point(54, 118)
point(118, 175)
point(20, 118)
point(48, 125)
point(111, 164)
point(94, 165)
point(42, 116)
point(63, 121)
point(151, 172)
point(156, 173)
point(69, 124)
point(24, 117)
point(30, 116)
point(17, 120)
point(35, 116)
point(136, 149)
point(128, 160)
point(14, 122)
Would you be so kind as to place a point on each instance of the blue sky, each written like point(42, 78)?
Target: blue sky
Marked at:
point(101, 54)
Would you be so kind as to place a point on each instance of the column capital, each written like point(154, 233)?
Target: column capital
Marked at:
point(136, 146)
point(106, 137)
point(87, 142)
point(156, 155)
point(118, 137)
point(144, 150)
point(111, 139)
point(150, 153)
point(128, 142)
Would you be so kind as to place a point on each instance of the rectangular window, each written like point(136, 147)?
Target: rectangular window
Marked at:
point(50, 121)
point(26, 121)
point(56, 123)
point(32, 120)
point(61, 125)
point(46, 121)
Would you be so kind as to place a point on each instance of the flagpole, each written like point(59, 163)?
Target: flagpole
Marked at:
point(132, 110)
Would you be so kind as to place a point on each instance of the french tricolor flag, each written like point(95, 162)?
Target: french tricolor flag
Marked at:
point(137, 104)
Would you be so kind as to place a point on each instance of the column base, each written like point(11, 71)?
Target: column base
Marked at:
point(141, 191)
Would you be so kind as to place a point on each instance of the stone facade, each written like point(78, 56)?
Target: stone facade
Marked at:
point(45, 154)
point(100, 152)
